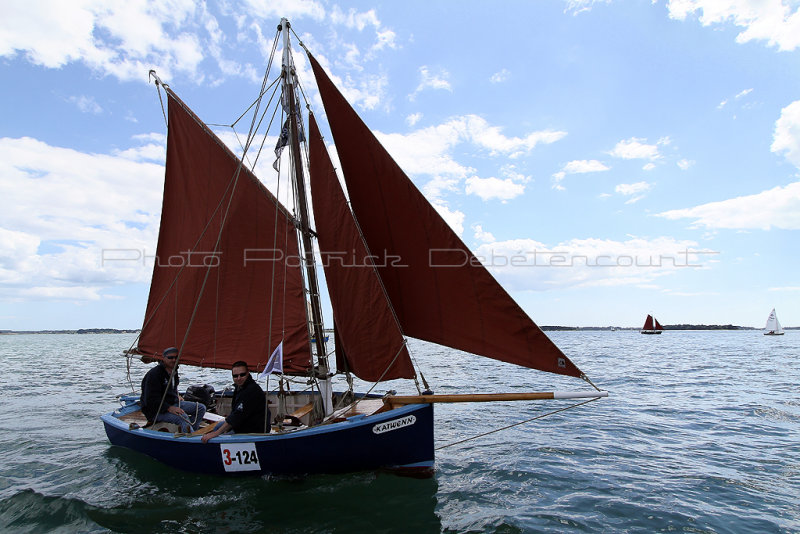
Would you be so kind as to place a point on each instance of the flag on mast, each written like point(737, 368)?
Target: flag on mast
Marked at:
point(274, 364)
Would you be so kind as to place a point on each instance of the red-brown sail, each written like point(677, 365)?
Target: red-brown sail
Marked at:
point(648, 323)
point(250, 301)
point(366, 329)
point(438, 289)
point(658, 325)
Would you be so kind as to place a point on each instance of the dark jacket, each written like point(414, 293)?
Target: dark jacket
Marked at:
point(247, 408)
point(153, 385)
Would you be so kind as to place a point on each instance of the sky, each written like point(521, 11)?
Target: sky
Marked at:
point(604, 159)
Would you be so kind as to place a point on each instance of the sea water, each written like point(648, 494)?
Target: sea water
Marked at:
point(701, 433)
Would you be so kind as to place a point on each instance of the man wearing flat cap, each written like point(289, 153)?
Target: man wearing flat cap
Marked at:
point(160, 399)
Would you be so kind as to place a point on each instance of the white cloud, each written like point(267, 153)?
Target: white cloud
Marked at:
point(176, 37)
point(73, 293)
point(786, 138)
point(525, 264)
point(510, 171)
point(384, 38)
point(122, 39)
point(635, 191)
point(439, 185)
point(774, 21)
point(579, 166)
point(481, 234)
point(490, 188)
point(684, 164)
point(577, 7)
point(584, 166)
point(86, 104)
point(353, 19)
point(273, 10)
point(431, 80)
point(454, 218)
point(738, 96)
point(413, 119)
point(778, 207)
point(428, 151)
point(632, 189)
point(557, 178)
point(500, 76)
point(636, 148)
point(54, 233)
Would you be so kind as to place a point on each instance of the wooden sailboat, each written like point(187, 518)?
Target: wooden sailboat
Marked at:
point(651, 326)
point(773, 326)
point(234, 270)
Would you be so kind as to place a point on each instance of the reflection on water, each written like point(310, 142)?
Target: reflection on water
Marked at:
point(163, 497)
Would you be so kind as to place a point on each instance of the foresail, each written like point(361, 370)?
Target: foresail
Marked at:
point(658, 325)
point(440, 292)
point(367, 334)
point(248, 300)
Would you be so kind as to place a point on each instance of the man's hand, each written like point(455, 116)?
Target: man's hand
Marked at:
point(208, 436)
point(176, 410)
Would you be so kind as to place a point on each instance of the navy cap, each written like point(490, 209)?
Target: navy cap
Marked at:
point(170, 351)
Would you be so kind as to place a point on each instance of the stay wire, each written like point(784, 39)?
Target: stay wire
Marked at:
point(517, 424)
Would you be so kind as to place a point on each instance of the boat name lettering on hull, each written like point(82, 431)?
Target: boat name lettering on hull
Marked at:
point(388, 426)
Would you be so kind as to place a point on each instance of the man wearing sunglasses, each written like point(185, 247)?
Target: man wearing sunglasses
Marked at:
point(249, 413)
point(160, 399)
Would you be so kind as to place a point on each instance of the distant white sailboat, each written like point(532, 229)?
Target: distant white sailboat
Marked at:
point(773, 327)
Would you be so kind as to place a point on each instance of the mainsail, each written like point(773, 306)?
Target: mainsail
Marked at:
point(438, 289)
point(651, 323)
point(222, 289)
point(773, 325)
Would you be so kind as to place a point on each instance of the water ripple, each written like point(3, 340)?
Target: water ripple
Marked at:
point(699, 435)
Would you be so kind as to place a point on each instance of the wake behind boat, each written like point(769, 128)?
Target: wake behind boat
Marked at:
point(235, 268)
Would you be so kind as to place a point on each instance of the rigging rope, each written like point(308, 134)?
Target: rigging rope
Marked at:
point(516, 424)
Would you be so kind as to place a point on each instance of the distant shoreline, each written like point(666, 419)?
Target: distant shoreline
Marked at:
point(666, 327)
point(545, 328)
point(79, 331)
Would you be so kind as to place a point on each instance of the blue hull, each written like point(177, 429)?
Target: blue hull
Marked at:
point(400, 439)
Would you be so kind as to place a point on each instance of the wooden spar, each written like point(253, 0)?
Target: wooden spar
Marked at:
point(400, 400)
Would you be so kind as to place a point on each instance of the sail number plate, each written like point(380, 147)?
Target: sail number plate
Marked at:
point(239, 457)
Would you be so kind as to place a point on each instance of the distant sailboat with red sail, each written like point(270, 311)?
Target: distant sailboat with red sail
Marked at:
point(651, 326)
point(236, 265)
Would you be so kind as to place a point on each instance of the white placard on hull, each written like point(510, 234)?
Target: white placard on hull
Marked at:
point(239, 456)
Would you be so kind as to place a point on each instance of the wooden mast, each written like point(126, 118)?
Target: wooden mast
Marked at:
point(302, 204)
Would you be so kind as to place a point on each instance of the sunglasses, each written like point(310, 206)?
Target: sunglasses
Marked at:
point(240, 375)
point(170, 357)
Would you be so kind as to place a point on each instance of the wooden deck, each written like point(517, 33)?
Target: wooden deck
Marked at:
point(135, 417)
point(139, 418)
point(364, 407)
